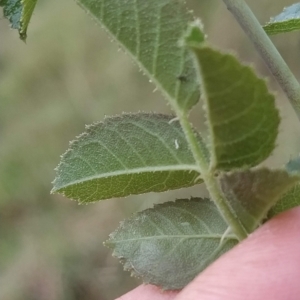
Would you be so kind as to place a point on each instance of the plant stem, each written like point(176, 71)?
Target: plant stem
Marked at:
point(210, 180)
point(247, 20)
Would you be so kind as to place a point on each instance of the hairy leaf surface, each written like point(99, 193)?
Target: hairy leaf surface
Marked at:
point(128, 154)
point(292, 197)
point(289, 200)
point(242, 116)
point(172, 243)
point(288, 20)
point(252, 193)
point(19, 13)
point(149, 31)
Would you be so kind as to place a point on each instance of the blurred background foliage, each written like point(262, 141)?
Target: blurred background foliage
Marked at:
point(67, 75)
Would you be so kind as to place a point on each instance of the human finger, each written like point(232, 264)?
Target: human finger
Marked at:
point(264, 266)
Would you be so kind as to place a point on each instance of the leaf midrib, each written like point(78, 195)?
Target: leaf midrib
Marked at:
point(132, 171)
point(194, 236)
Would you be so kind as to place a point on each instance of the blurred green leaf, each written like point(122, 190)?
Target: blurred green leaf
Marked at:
point(124, 155)
point(288, 20)
point(194, 35)
point(252, 193)
point(292, 197)
point(19, 13)
point(150, 31)
point(289, 200)
point(242, 117)
point(170, 244)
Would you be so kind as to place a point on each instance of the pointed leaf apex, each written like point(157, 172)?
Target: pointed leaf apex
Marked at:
point(19, 13)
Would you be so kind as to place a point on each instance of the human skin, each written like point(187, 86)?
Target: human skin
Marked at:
point(264, 266)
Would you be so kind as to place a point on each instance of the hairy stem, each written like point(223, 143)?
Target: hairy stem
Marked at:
point(210, 180)
point(267, 50)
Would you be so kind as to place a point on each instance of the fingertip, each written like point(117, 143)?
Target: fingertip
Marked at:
point(148, 292)
point(264, 266)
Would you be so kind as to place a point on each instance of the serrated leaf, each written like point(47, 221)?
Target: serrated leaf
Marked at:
point(252, 193)
point(124, 155)
point(291, 198)
point(241, 113)
point(19, 13)
point(288, 20)
point(149, 31)
point(170, 244)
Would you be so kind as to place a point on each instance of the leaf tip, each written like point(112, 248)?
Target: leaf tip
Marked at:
point(53, 191)
point(23, 36)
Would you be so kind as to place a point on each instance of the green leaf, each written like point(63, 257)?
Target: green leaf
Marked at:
point(288, 20)
point(242, 116)
point(124, 155)
point(170, 244)
point(19, 13)
point(194, 35)
point(149, 31)
point(291, 198)
point(252, 193)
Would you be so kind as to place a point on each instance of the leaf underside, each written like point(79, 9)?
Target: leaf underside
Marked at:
point(291, 198)
point(150, 31)
point(124, 155)
point(252, 193)
point(241, 113)
point(170, 244)
point(288, 20)
point(19, 13)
